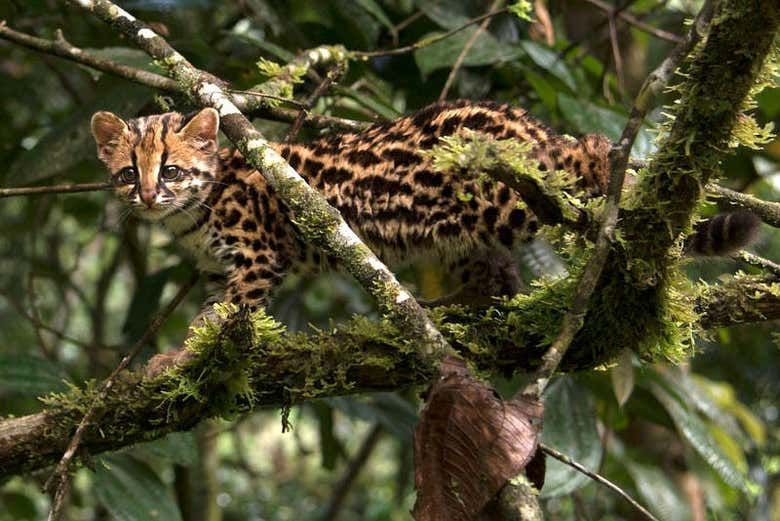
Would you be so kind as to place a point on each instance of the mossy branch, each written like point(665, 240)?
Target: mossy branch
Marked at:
point(548, 195)
point(256, 364)
point(718, 80)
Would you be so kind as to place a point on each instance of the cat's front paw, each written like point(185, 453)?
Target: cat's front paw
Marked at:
point(159, 363)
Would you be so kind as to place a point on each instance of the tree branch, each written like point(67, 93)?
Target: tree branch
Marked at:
point(59, 480)
point(358, 357)
point(563, 458)
point(495, 7)
point(54, 189)
point(251, 105)
point(741, 300)
point(767, 211)
point(630, 19)
point(618, 162)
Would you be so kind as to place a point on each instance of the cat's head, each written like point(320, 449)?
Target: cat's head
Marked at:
point(159, 163)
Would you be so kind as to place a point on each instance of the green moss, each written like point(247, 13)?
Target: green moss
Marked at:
point(474, 153)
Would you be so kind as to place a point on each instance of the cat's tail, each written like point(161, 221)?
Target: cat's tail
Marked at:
point(723, 234)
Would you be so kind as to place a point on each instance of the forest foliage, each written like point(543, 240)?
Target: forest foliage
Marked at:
point(80, 279)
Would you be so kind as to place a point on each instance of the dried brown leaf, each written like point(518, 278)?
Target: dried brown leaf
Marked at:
point(468, 443)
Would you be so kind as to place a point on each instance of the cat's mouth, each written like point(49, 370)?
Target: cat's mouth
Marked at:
point(155, 212)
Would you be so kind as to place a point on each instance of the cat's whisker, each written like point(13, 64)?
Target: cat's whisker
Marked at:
point(181, 207)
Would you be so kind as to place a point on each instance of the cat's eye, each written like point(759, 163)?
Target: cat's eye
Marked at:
point(171, 173)
point(128, 175)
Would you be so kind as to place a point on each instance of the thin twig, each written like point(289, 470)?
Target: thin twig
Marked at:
point(321, 89)
point(406, 22)
point(426, 42)
point(616, 57)
point(357, 463)
point(563, 458)
point(758, 262)
point(466, 48)
point(60, 474)
point(596, 29)
point(767, 211)
point(630, 19)
point(290, 101)
point(42, 325)
point(68, 188)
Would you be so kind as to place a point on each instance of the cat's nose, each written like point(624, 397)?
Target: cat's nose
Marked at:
point(148, 196)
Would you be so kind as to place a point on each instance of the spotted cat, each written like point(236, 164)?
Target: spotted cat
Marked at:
point(168, 168)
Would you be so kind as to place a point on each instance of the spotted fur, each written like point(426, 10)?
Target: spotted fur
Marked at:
point(241, 234)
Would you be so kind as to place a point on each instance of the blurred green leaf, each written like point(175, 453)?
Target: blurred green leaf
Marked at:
point(570, 427)
point(658, 492)
point(693, 429)
point(131, 491)
point(353, 20)
point(256, 38)
point(18, 506)
point(377, 12)
point(396, 415)
point(370, 102)
point(448, 13)
point(543, 88)
point(548, 60)
point(485, 51)
point(176, 447)
point(622, 376)
point(718, 401)
point(129, 56)
point(589, 117)
point(29, 375)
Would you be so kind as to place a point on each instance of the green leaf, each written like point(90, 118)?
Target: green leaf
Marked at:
point(692, 387)
point(570, 427)
point(589, 117)
point(442, 54)
point(129, 56)
point(30, 375)
point(522, 9)
point(695, 431)
point(396, 415)
point(176, 447)
point(353, 21)
point(548, 60)
point(446, 13)
point(131, 491)
point(658, 492)
point(257, 39)
point(371, 103)
point(622, 376)
point(543, 88)
point(377, 12)
point(19, 506)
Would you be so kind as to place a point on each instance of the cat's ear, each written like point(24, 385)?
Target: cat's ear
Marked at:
point(107, 128)
point(202, 129)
